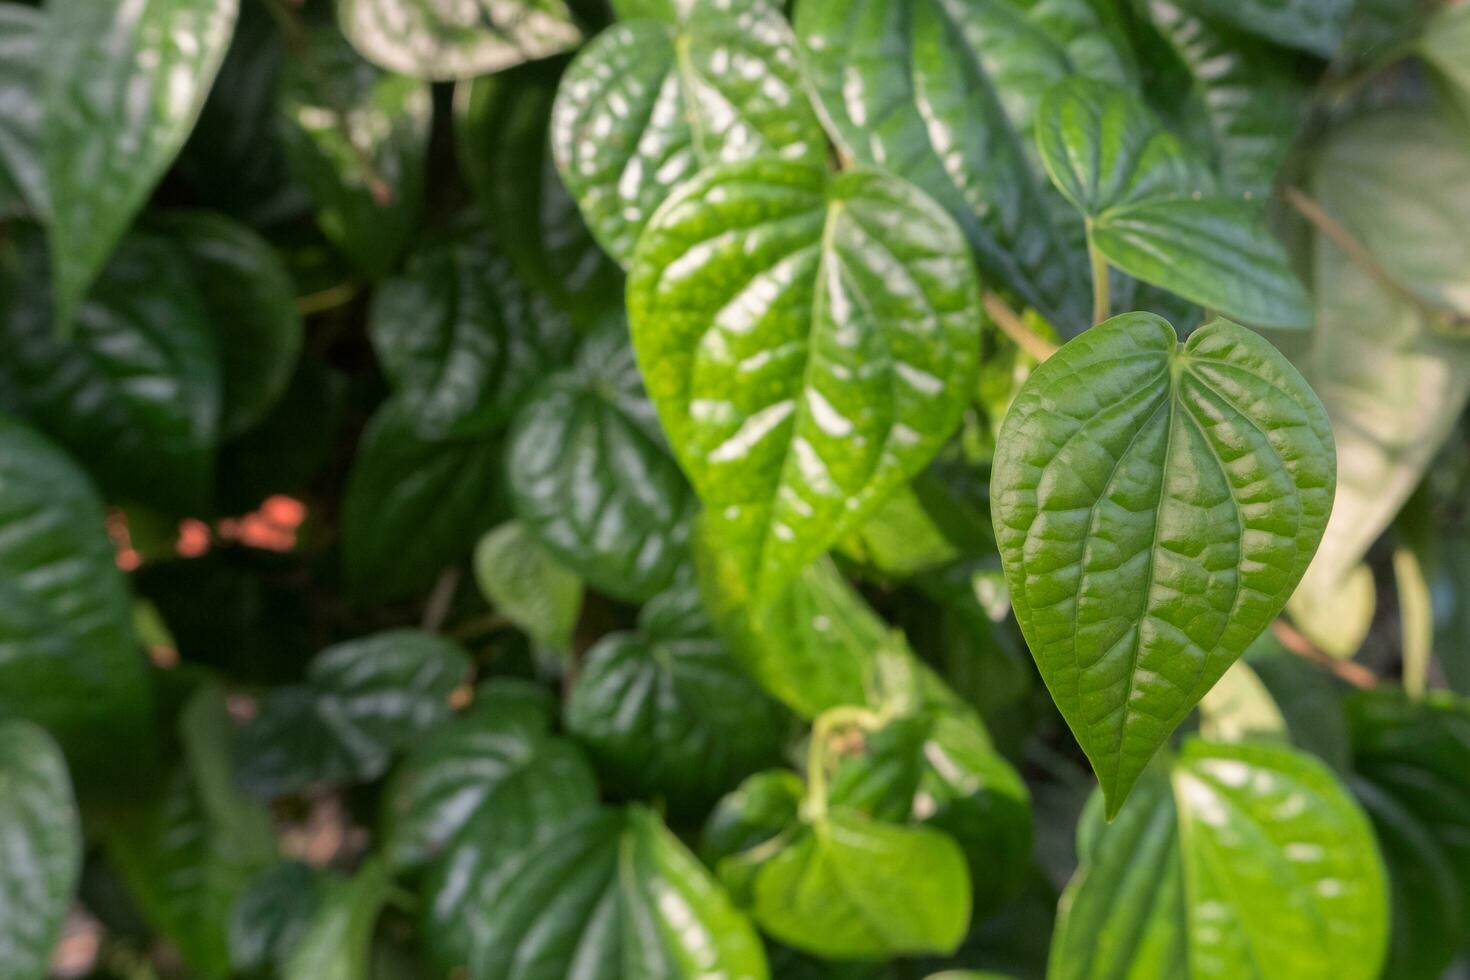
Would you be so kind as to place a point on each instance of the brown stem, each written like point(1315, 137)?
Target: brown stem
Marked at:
point(1014, 327)
point(1355, 674)
point(436, 610)
point(326, 299)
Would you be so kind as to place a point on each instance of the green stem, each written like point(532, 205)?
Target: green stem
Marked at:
point(1102, 296)
point(815, 806)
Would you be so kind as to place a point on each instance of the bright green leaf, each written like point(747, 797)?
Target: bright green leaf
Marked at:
point(43, 848)
point(590, 476)
point(527, 585)
point(647, 104)
point(1239, 708)
point(427, 39)
point(1155, 506)
point(810, 345)
point(123, 85)
point(461, 338)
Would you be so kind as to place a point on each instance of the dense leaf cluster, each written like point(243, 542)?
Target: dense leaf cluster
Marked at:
point(850, 489)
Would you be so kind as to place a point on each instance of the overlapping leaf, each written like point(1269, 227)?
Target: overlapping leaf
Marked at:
point(437, 41)
point(123, 84)
point(1155, 506)
point(590, 476)
point(1144, 195)
point(650, 102)
point(1246, 860)
point(528, 586)
point(809, 344)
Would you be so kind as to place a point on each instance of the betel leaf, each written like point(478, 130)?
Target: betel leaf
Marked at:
point(1155, 505)
point(1239, 96)
point(358, 139)
point(123, 84)
point(849, 887)
point(22, 172)
point(501, 126)
point(648, 103)
point(809, 343)
point(761, 807)
point(251, 304)
point(1236, 861)
point(43, 848)
point(1151, 212)
point(412, 505)
point(590, 476)
point(338, 943)
point(67, 659)
point(1392, 385)
point(612, 894)
point(363, 701)
point(947, 93)
point(1311, 25)
point(441, 42)
point(666, 711)
point(461, 338)
point(1409, 763)
point(136, 391)
point(527, 585)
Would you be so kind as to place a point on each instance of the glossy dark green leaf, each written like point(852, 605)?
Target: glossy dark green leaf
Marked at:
point(22, 173)
point(849, 887)
point(1242, 93)
point(1151, 212)
point(526, 585)
point(874, 772)
point(810, 345)
point(123, 84)
point(667, 712)
point(1309, 697)
point(648, 103)
point(136, 392)
point(1155, 505)
point(590, 476)
point(610, 896)
point(1243, 861)
point(946, 90)
point(1311, 25)
point(1392, 385)
point(43, 848)
point(338, 943)
point(189, 852)
point(752, 813)
point(251, 304)
point(461, 338)
point(271, 915)
point(501, 126)
point(67, 659)
point(363, 701)
point(429, 39)
point(358, 139)
point(1409, 762)
point(413, 506)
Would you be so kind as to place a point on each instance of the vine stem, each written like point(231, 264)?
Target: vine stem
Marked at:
point(1362, 257)
point(1355, 674)
point(436, 610)
point(816, 763)
point(1011, 324)
point(1102, 287)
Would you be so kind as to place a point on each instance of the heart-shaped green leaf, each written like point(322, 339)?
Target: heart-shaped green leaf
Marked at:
point(123, 85)
point(22, 172)
point(358, 139)
point(1144, 197)
point(1244, 861)
point(809, 344)
point(611, 895)
point(1409, 762)
point(43, 848)
point(67, 655)
point(1155, 506)
point(590, 476)
point(363, 700)
point(413, 505)
point(667, 712)
point(942, 93)
point(431, 40)
point(648, 103)
point(136, 392)
point(461, 338)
